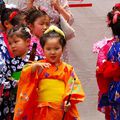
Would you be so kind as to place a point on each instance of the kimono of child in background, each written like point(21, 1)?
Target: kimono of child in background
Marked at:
point(4, 54)
point(19, 41)
point(38, 21)
point(45, 85)
point(103, 48)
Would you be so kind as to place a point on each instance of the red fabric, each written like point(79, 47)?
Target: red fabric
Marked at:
point(107, 71)
point(112, 71)
point(102, 82)
point(107, 113)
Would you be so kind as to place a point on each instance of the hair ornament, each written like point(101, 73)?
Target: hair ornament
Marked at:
point(56, 29)
point(12, 15)
point(117, 5)
point(27, 30)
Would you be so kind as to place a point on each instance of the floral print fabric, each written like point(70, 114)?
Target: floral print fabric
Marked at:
point(8, 98)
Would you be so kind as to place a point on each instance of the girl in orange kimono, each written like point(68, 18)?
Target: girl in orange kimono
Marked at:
point(45, 85)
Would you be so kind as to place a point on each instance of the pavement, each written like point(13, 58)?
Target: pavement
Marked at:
point(90, 27)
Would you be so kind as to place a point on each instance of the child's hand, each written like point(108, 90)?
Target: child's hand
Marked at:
point(55, 4)
point(67, 106)
point(39, 66)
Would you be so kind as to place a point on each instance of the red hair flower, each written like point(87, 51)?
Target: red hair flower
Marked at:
point(12, 15)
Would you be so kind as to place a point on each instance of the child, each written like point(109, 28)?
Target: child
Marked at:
point(50, 82)
point(109, 71)
point(38, 22)
point(102, 48)
point(8, 20)
point(19, 41)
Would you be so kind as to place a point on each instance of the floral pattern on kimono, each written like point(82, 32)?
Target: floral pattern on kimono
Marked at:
point(27, 99)
point(8, 98)
point(39, 50)
point(4, 54)
point(114, 87)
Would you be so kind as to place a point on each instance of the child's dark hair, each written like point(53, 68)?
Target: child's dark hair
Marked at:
point(5, 16)
point(33, 14)
point(114, 24)
point(21, 16)
point(52, 34)
point(20, 31)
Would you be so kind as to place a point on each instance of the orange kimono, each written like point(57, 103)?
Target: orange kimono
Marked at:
point(41, 95)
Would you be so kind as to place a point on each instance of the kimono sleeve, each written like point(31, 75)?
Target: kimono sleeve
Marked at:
point(26, 94)
point(74, 88)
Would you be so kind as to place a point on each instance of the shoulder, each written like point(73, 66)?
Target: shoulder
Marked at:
point(67, 66)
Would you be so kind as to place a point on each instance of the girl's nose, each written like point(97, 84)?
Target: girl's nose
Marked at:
point(12, 45)
point(45, 27)
point(52, 51)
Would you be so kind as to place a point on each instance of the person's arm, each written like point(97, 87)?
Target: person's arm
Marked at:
point(30, 3)
point(39, 66)
point(57, 6)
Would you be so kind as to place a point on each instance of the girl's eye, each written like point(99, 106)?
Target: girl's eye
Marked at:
point(48, 49)
point(41, 23)
point(16, 41)
point(9, 43)
point(56, 48)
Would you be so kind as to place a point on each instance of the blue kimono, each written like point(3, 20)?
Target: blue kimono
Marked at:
point(114, 87)
point(4, 54)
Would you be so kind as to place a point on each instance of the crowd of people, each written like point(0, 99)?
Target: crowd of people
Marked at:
point(35, 83)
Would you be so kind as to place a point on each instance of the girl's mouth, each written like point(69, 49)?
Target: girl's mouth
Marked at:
point(53, 57)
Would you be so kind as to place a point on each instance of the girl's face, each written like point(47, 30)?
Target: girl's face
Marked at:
point(40, 25)
point(18, 45)
point(53, 50)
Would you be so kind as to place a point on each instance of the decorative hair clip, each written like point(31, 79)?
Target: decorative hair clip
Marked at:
point(56, 29)
point(12, 15)
point(28, 30)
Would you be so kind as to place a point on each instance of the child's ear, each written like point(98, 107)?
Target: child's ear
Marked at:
point(28, 42)
point(30, 26)
point(7, 25)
